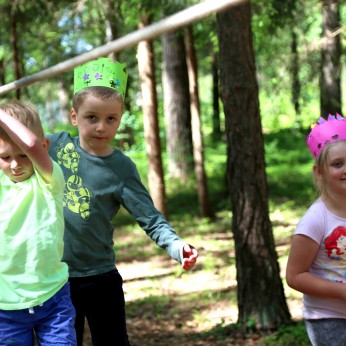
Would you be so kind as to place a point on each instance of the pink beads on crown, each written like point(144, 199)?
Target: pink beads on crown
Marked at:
point(326, 131)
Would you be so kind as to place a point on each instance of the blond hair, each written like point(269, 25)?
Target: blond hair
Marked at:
point(321, 163)
point(26, 113)
point(100, 92)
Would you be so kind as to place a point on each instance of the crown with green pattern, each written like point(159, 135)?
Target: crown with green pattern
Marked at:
point(101, 72)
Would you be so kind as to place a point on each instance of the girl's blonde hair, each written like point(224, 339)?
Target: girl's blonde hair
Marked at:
point(321, 163)
point(26, 113)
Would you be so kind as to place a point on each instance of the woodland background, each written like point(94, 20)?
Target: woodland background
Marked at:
point(214, 107)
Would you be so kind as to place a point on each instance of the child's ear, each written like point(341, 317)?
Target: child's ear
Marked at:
point(45, 143)
point(73, 117)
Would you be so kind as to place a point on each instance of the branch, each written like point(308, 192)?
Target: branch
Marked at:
point(173, 22)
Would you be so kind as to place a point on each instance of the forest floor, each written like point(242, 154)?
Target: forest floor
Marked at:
point(166, 306)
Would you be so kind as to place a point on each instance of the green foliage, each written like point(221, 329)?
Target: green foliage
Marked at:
point(160, 305)
point(287, 335)
point(277, 20)
point(131, 125)
point(73, 130)
point(221, 331)
point(291, 335)
point(285, 150)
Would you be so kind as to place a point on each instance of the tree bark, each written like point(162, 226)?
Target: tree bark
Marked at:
point(330, 87)
point(261, 300)
point(111, 21)
point(2, 72)
point(196, 126)
point(296, 85)
point(216, 108)
point(14, 45)
point(177, 106)
point(146, 67)
point(63, 97)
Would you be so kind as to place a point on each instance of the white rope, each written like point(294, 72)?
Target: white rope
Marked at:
point(173, 22)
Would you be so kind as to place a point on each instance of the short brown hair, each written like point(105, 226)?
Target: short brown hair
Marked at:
point(26, 113)
point(100, 92)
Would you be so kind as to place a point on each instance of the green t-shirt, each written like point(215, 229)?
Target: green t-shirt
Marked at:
point(95, 189)
point(31, 240)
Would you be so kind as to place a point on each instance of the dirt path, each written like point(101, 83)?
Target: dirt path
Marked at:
point(166, 307)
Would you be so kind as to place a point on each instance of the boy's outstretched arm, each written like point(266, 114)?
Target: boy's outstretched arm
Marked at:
point(35, 148)
point(190, 255)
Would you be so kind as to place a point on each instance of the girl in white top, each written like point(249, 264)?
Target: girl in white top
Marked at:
point(317, 260)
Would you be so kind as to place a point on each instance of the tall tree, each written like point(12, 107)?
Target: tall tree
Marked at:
point(294, 69)
point(14, 43)
point(217, 133)
point(196, 126)
point(63, 97)
point(330, 87)
point(111, 23)
point(261, 298)
point(146, 67)
point(177, 106)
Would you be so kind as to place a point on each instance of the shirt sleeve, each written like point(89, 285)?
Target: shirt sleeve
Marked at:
point(312, 224)
point(56, 186)
point(137, 201)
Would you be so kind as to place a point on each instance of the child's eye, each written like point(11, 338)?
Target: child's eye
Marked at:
point(91, 117)
point(337, 164)
point(111, 119)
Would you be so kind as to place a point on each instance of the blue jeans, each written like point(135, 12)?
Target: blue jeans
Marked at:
point(53, 323)
point(100, 299)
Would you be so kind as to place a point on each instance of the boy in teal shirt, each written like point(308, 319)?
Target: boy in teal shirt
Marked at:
point(34, 288)
point(99, 179)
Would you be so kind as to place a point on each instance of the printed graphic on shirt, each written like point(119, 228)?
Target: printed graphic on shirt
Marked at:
point(76, 196)
point(335, 244)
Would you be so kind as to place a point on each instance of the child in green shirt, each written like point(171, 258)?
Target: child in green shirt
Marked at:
point(34, 287)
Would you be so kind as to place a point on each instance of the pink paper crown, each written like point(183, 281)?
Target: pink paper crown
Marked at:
point(326, 131)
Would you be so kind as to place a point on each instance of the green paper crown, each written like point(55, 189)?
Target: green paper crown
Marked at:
point(101, 72)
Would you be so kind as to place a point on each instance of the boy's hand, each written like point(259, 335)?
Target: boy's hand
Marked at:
point(190, 255)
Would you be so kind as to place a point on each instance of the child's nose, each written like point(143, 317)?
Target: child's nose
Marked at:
point(14, 164)
point(100, 126)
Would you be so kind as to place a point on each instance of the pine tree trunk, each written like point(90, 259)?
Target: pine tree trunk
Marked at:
point(63, 97)
point(14, 45)
point(177, 106)
point(330, 87)
point(146, 67)
point(261, 299)
point(296, 85)
point(111, 24)
point(196, 126)
point(217, 134)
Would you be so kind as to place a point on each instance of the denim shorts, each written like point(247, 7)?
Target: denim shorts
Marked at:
point(52, 322)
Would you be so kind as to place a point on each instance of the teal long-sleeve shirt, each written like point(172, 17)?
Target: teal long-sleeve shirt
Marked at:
point(95, 188)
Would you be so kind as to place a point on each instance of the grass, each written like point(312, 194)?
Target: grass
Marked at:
point(201, 304)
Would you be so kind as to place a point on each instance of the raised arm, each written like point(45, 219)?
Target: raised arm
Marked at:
point(35, 148)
